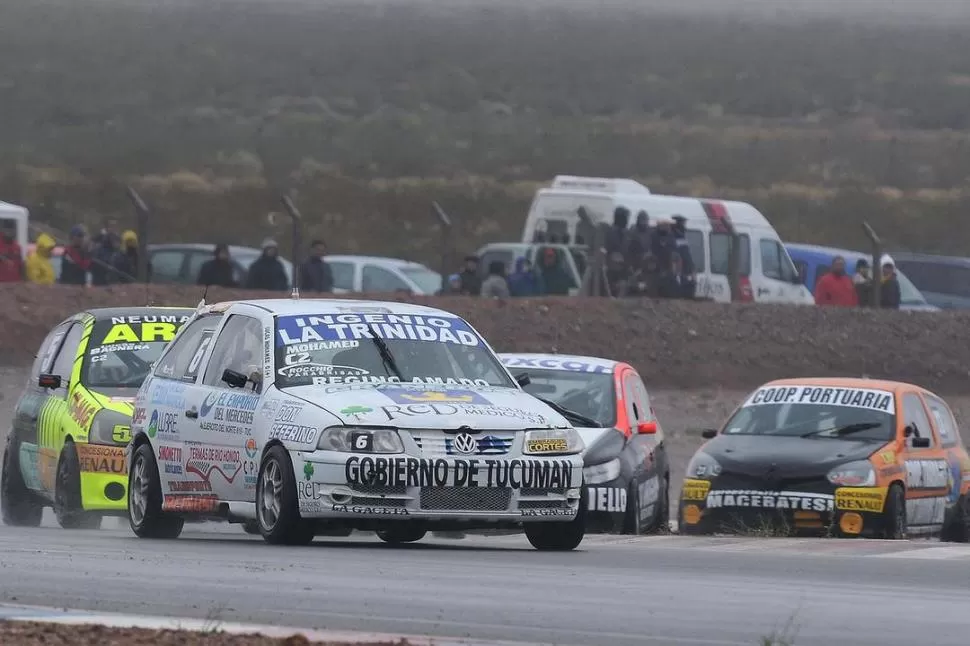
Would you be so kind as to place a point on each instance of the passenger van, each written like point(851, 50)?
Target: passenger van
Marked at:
point(767, 272)
point(944, 280)
point(814, 261)
point(14, 219)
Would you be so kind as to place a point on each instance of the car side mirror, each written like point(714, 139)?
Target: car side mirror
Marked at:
point(523, 379)
point(647, 428)
point(921, 442)
point(49, 381)
point(234, 379)
point(709, 433)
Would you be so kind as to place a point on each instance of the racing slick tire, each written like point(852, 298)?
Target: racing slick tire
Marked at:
point(67, 493)
point(145, 513)
point(958, 529)
point(661, 519)
point(556, 536)
point(401, 535)
point(895, 514)
point(251, 527)
point(19, 506)
point(631, 519)
point(277, 509)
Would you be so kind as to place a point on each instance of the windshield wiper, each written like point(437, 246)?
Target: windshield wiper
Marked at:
point(386, 357)
point(848, 429)
point(573, 417)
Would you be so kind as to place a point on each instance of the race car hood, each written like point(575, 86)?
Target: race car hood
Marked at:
point(107, 400)
point(590, 435)
point(794, 456)
point(432, 407)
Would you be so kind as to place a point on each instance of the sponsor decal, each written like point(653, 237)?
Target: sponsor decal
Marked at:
point(102, 353)
point(288, 412)
point(307, 471)
point(895, 470)
point(370, 511)
point(547, 446)
point(548, 512)
point(121, 433)
point(101, 459)
point(927, 474)
point(208, 403)
point(782, 500)
point(606, 499)
point(163, 423)
point(381, 380)
point(888, 457)
point(450, 410)
point(293, 433)
point(860, 498)
point(139, 415)
point(877, 400)
point(135, 329)
point(269, 409)
point(153, 424)
point(205, 460)
point(190, 485)
point(357, 326)
point(192, 504)
point(301, 351)
point(421, 472)
point(692, 514)
point(320, 370)
point(557, 364)
point(249, 474)
point(229, 410)
point(447, 396)
point(82, 410)
point(168, 394)
point(463, 443)
point(356, 411)
point(267, 353)
point(251, 448)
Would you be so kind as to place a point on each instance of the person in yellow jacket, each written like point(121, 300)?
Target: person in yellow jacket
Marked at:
point(38, 268)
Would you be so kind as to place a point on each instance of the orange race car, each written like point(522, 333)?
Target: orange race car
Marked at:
point(844, 457)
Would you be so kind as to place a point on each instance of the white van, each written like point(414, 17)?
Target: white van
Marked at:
point(767, 272)
point(15, 218)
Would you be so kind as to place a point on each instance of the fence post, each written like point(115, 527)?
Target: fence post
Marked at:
point(296, 218)
point(876, 295)
point(143, 215)
point(734, 262)
point(446, 229)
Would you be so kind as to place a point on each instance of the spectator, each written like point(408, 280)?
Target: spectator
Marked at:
point(524, 281)
point(639, 244)
point(76, 260)
point(687, 274)
point(835, 287)
point(267, 271)
point(496, 286)
point(128, 260)
point(471, 284)
point(219, 270)
point(315, 273)
point(671, 281)
point(108, 230)
point(617, 275)
point(862, 280)
point(11, 255)
point(616, 237)
point(454, 285)
point(663, 247)
point(889, 295)
point(555, 280)
point(39, 269)
point(107, 259)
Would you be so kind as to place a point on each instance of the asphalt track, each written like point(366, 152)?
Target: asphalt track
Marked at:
point(614, 590)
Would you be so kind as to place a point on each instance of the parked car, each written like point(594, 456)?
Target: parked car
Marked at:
point(180, 262)
point(943, 280)
point(375, 274)
point(814, 261)
point(572, 259)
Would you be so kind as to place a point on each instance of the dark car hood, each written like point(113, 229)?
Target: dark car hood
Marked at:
point(793, 456)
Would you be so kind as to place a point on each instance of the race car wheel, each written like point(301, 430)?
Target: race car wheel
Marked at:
point(958, 529)
point(277, 509)
point(557, 537)
point(251, 527)
point(895, 514)
point(631, 520)
point(661, 517)
point(145, 513)
point(20, 507)
point(399, 535)
point(67, 494)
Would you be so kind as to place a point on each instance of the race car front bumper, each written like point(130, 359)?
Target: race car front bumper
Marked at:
point(104, 478)
point(474, 490)
point(819, 509)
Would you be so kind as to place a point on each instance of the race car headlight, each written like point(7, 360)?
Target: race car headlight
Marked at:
point(703, 467)
point(853, 474)
point(559, 441)
point(111, 428)
point(600, 473)
point(348, 439)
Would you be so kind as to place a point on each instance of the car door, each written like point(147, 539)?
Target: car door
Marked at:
point(343, 275)
point(777, 281)
point(226, 414)
point(927, 472)
point(644, 447)
point(168, 266)
point(950, 441)
point(379, 280)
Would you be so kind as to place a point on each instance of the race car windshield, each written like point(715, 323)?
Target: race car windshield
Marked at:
point(591, 395)
point(121, 350)
point(813, 421)
point(421, 349)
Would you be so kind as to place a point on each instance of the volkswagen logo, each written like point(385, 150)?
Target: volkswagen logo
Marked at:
point(464, 443)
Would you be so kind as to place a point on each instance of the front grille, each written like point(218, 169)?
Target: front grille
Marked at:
point(379, 490)
point(542, 492)
point(382, 502)
point(739, 481)
point(463, 498)
point(439, 443)
point(543, 504)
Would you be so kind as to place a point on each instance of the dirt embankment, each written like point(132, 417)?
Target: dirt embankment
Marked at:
point(674, 344)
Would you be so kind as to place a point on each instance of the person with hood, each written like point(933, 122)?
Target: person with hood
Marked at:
point(555, 280)
point(616, 237)
point(687, 273)
point(471, 284)
point(218, 271)
point(76, 260)
point(835, 287)
point(267, 271)
point(664, 245)
point(862, 281)
point(524, 281)
point(315, 273)
point(39, 269)
point(107, 259)
point(495, 286)
point(11, 256)
point(640, 240)
point(453, 287)
point(889, 294)
point(127, 259)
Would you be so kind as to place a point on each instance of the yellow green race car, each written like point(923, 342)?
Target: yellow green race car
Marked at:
point(71, 425)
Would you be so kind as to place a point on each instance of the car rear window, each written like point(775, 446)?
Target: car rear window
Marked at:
point(121, 349)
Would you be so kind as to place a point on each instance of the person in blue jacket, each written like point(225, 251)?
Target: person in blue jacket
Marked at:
point(524, 281)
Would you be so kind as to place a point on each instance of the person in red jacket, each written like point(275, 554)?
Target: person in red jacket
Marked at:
point(11, 257)
point(835, 288)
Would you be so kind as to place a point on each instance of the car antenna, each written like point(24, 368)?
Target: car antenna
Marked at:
point(205, 292)
point(295, 294)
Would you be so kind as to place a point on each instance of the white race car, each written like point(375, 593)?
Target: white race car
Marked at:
point(319, 417)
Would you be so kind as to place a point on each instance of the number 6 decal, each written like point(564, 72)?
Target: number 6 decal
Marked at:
point(362, 441)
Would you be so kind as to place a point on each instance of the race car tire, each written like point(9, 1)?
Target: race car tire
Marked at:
point(895, 514)
point(557, 537)
point(958, 529)
point(145, 513)
point(661, 519)
point(277, 509)
point(631, 519)
point(400, 535)
point(67, 493)
point(251, 527)
point(19, 506)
